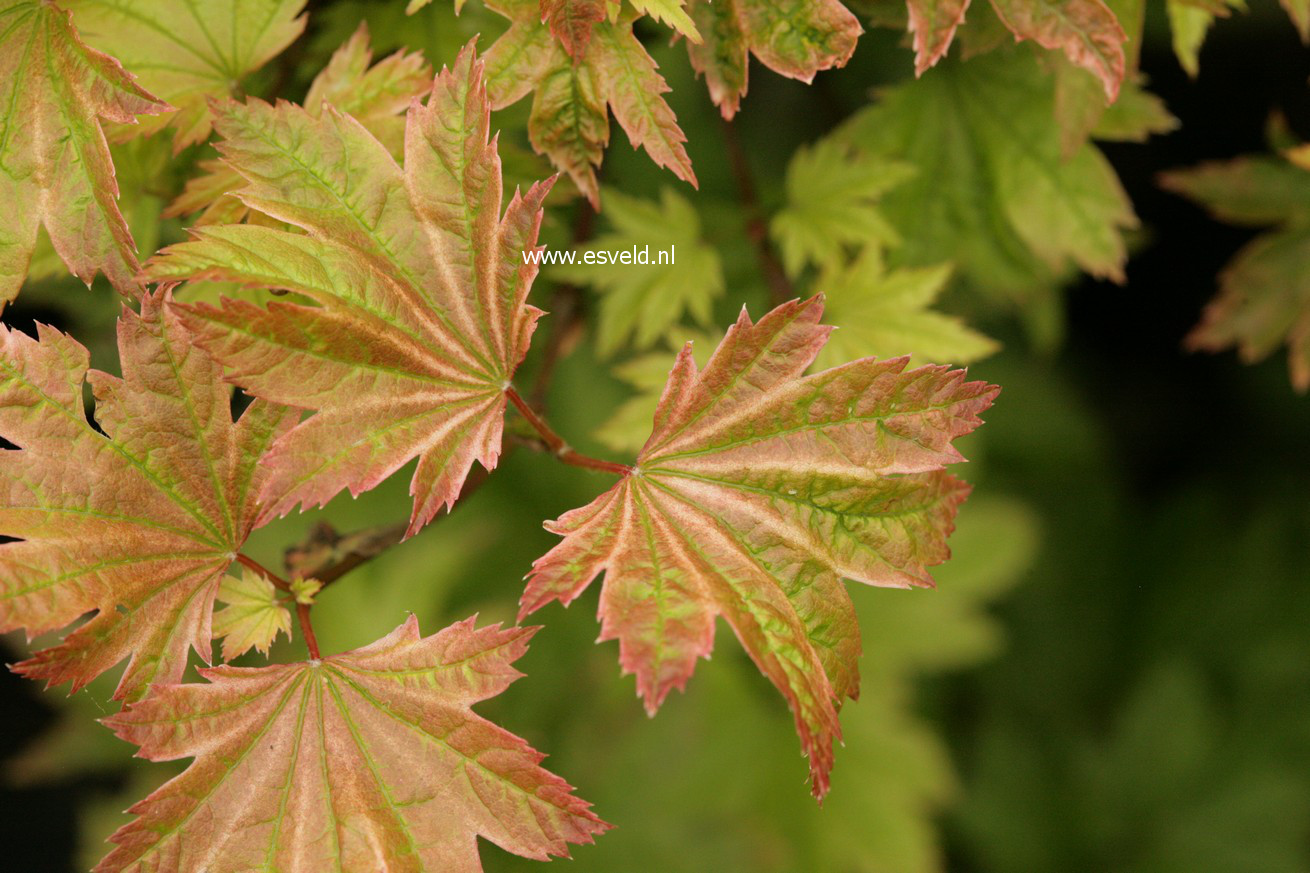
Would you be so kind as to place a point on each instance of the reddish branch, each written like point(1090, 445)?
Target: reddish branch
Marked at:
point(556, 444)
point(302, 609)
point(757, 229)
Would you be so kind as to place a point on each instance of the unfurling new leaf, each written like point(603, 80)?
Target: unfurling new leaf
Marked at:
point(367, 761)
point(757, 492)
point(138, 524)
point(416, 285)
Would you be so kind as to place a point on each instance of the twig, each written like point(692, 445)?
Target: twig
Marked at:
point(558, 447)
point(757, 229)
point(302, 609)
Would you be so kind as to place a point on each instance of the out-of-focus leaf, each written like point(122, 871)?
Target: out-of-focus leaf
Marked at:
point(883, 314)
point(831, 207)
point(1264, 297)
point(1189, 22)
point(796, 39)
point(993, 192)
point(639, 302)
point(189, 52)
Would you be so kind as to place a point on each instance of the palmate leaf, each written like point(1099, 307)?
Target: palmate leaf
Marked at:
point(139, 525)
point(880, 313)
point(640, 304)
point(571, 96)
point(189, 51)
point(55, 167)
point(1264, 297)
point(757, 492)
point(253, 616)
point(377, 96)
point(418, 283)
point(795, 38)
point(996, 192)
point(371, 760)
point(831, 206)
point(1087, 31)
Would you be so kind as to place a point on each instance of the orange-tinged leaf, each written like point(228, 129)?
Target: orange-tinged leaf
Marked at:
point(368, 761)
point(55, 167)
point(139, 525)
point(1264, 298)
point(758, 491)
point(797, 38)
point(933, 23)
point(568, 122)
point(418, 288)
point(570, 21)
point(1085, 30)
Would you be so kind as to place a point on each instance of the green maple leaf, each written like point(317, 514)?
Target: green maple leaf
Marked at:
point(994, 192)
point(797, 39)
point(1264, 297)
point(371, 760)
point(884, 314)
point(189, 52)
point(1190, 21)
point(416, 316)
point(640, 303)
point(139, 525)
point(377, 96)
point(831, 206)
point(571, 96)
point(253, 616)
point(757, 492)
point(55, 167)
point(1087, 31)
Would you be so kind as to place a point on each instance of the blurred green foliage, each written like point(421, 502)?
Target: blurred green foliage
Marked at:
point(1109, 677)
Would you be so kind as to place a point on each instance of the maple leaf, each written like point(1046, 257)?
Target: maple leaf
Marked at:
point(882, 314)
point(252, 618)
point(758, 490)
point(1189, 22)
point(418, 285)
point(1087, 31)
point(569, 122)
point(796, 39)
point(139, 525)
point(638, 306)
point(371, 760)
point(995, 192)
point(1264, 297)
point(376, 96)
point(832, 194)
point(55, 167)
point(190, 52)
